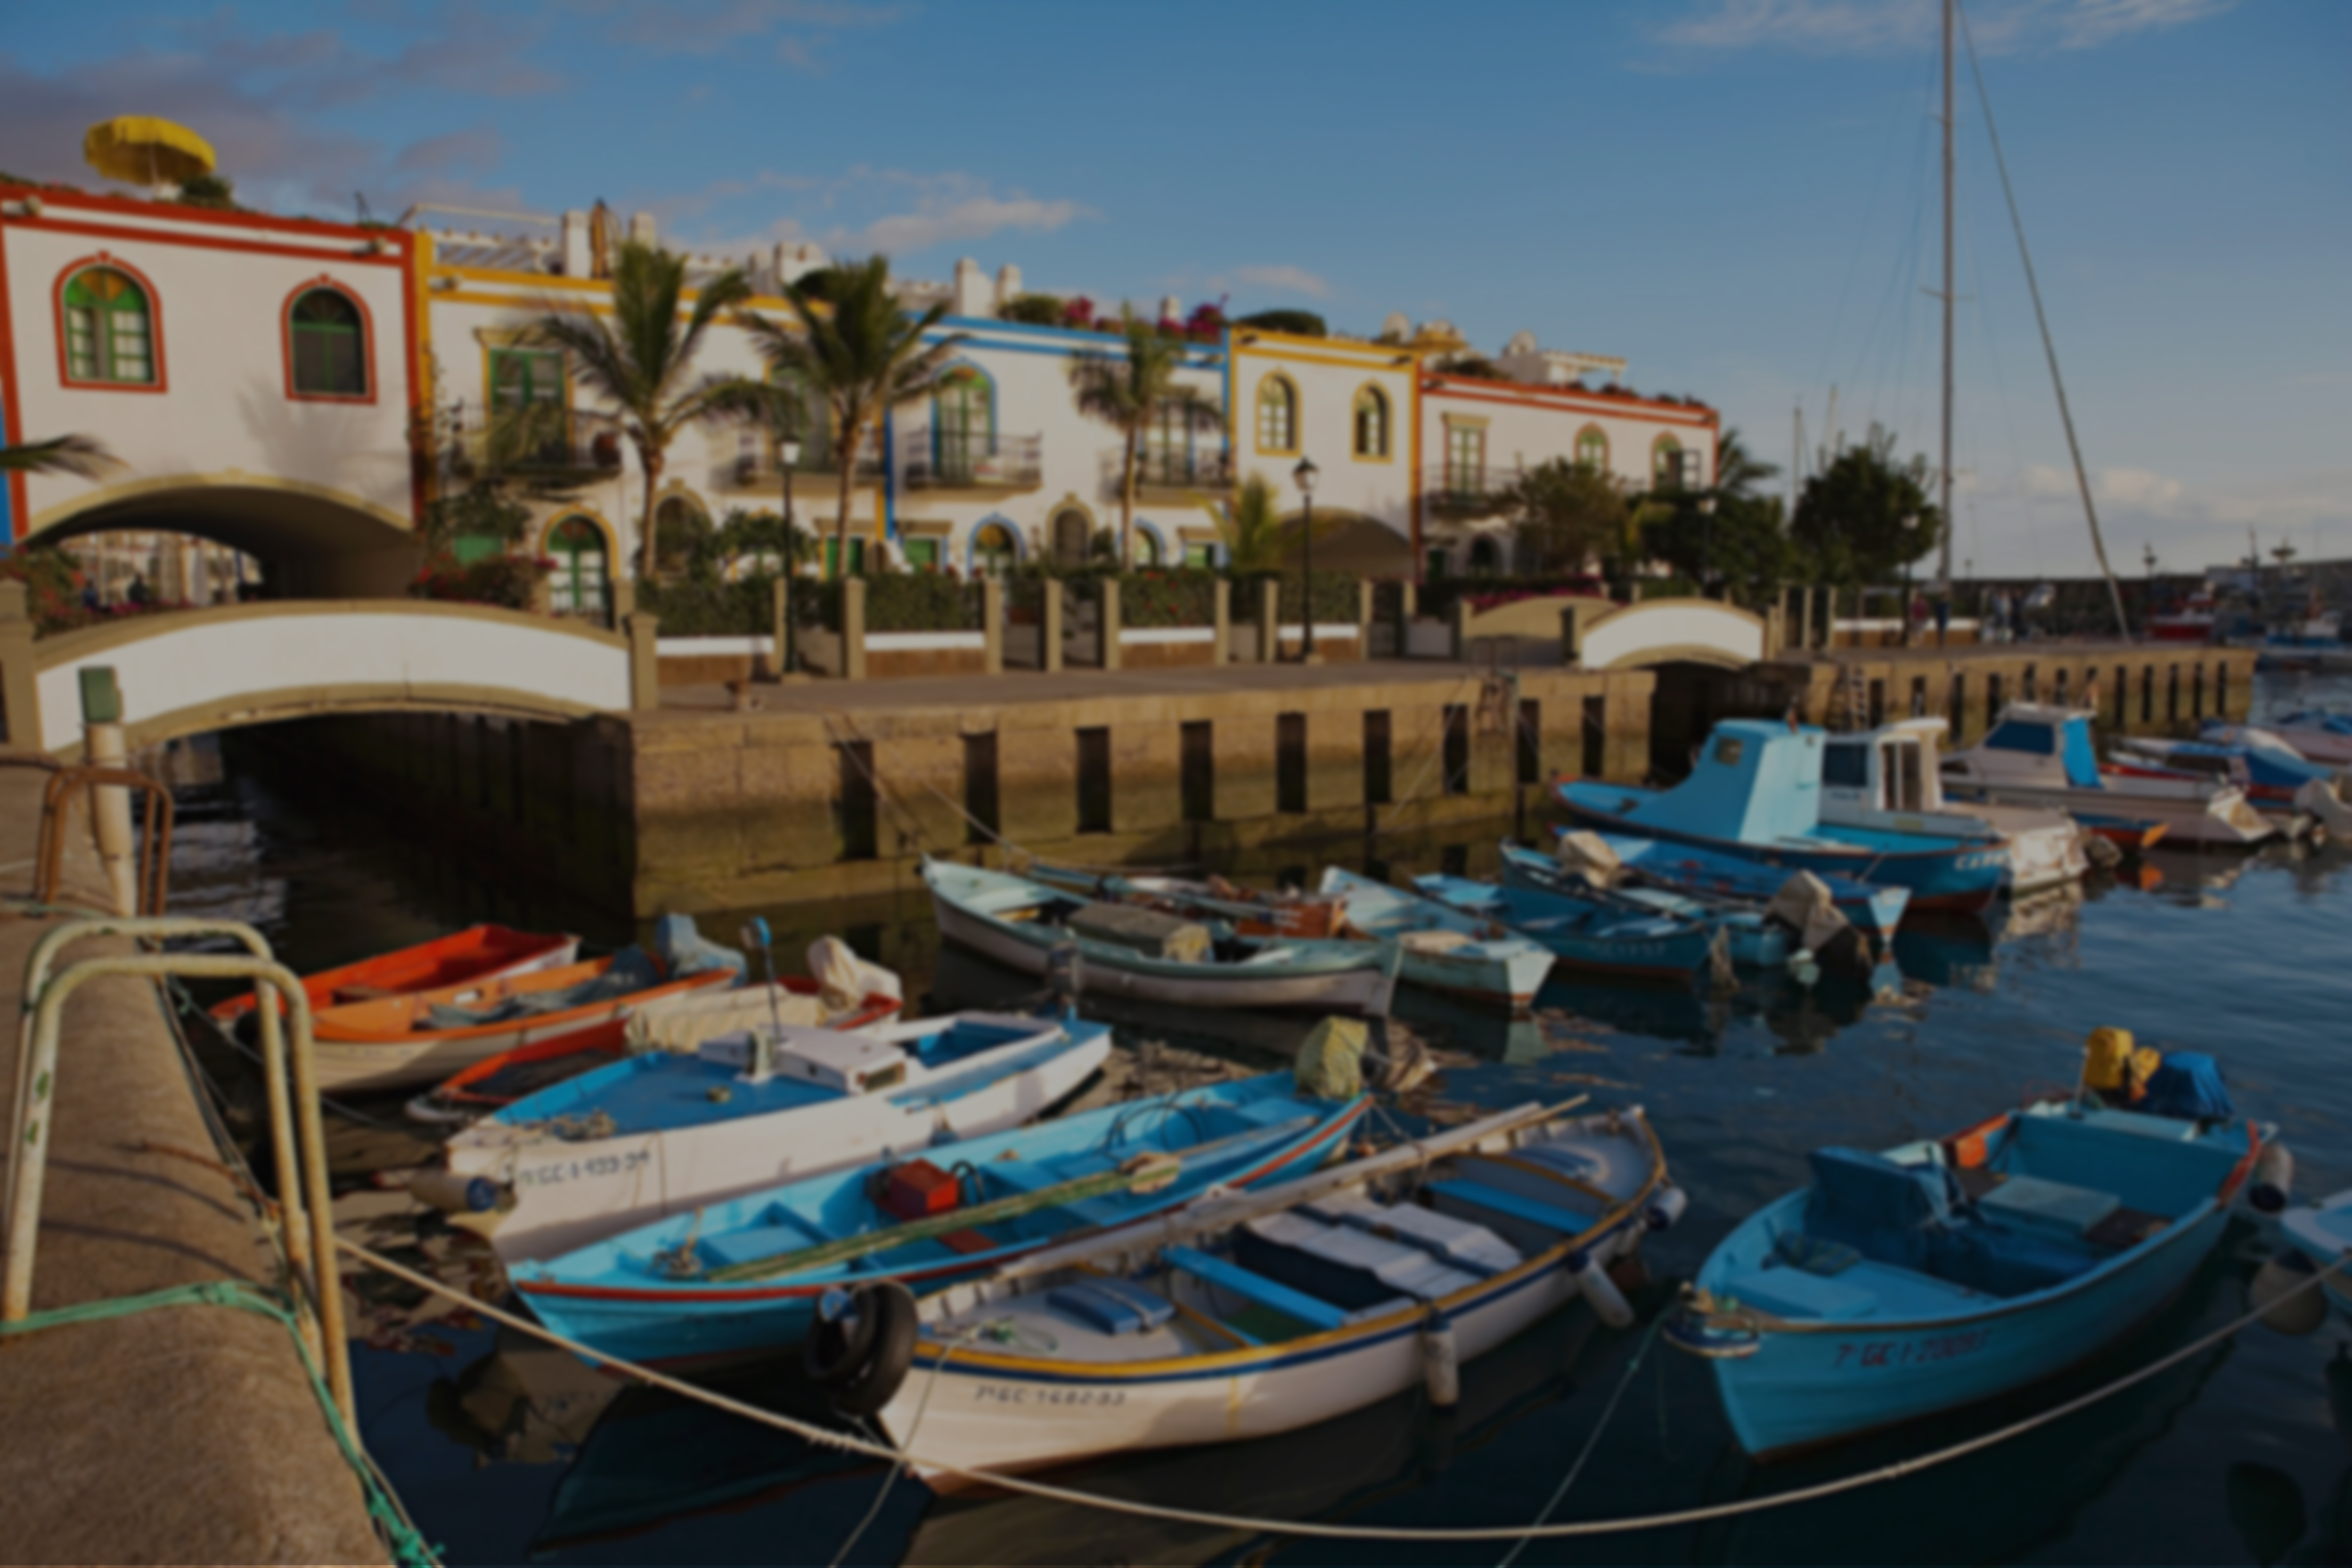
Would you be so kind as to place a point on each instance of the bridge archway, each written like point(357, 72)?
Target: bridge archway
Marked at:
point(320, 543)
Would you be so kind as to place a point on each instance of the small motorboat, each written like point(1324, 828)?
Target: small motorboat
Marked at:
point(2315, 735)
point(1241, 1317)
point(664, 1132)
point(1755, 792)
point(2322, 1234)
point(1441, 947)
point(1150, 954)
point(1603, 936)
point(1889, 778)
point(2279, 781)
point(425, 1037)
point(746, 1276)
point(477, 952)
point(1250, 912)
point(852, 996)
point(1875, 910)
point(1939, 1273)
point(2042, 755)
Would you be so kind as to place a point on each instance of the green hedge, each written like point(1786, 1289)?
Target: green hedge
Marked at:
point(703, 607)
point(1335, 601)
point(921, 601)
point(1177, 596)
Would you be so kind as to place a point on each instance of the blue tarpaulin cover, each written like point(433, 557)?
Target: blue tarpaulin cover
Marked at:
point(2188, 1086)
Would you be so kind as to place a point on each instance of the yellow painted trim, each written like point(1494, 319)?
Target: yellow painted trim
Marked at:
point(1388, 424)
point(1576, 447)
point(1297, 416)
point(1355, 364)
point(492, 339)
point(566, 514)
point(676, 487)
point(1250, 337)
point(232, 479)
point(769, 304)
point(424, 390)
point(1465, 421)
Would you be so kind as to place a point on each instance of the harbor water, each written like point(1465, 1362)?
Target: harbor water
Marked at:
point(507, 1453)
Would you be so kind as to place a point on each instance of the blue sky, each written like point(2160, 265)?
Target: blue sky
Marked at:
point(1737, 195)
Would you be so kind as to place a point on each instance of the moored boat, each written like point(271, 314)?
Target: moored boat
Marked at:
point(1875, 910)
point(1755, 791)
point(2278, 781)
point(745, 1276)
point(1889, 778)
point(1146, 954)
point(1439, 947)
point(1247, 1317)
point(477, 952)
point(1606, 937)
point(664, 1132)
point(2316, 734)
point(2037, 754)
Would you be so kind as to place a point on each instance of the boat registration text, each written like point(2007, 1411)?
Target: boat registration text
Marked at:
point(1910, 1352)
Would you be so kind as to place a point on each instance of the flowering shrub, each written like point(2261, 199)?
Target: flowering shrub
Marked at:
point(1206, 324)
point(52, 589)
point(507, 581)
point(1164, 596)
point(1078, 312)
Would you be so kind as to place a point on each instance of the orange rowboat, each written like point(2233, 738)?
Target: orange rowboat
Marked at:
point(477, 952)
point(396, 1042)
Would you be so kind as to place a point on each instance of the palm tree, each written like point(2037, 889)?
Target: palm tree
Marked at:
point(1127, 393)
point(84, 457)
point(638, 358)
point(1253, 535)
point(861, 352)
point(1737, 467)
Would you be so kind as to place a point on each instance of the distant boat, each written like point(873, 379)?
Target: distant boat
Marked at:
point(2277, 781)
point(1938, 1274)
point(1142, 953)
point(2316, 734)
point(662, 1132)
point(477, 952)
point(1755, 792)
point(745, 1276)
point(1542, 886)
point(1441, 947)
point(1890, 778)
point(2322, 1232)
point(1608, 938)
point(2039, 755)
point(1265, 1313)
point(1704, 874)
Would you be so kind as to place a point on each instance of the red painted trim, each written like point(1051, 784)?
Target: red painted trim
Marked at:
point(165, 211)
point(1322, 1141)
point(163, 382)
point(1586, 403)
point(367, 343)
point(12, 418)
point(393, 257)
point(2244, 1168)
point(419, 384)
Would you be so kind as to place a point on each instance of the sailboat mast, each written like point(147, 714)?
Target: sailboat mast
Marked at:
point(1944, 559)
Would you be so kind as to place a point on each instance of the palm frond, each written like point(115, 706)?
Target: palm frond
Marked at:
point(84, 457)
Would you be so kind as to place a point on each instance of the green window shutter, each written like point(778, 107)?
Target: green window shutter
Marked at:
point(330, 345)
point(108, 333)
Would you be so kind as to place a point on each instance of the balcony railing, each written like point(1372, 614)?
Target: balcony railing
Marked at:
point(944, 460)
point(550, 443)
point(754, 466)
point(1167, 469)
point(1469, 492)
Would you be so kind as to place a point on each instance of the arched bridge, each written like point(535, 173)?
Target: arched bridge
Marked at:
point(180, 672)
point(1599, 633)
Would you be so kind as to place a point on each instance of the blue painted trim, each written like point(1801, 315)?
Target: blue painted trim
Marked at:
point(1159, 537)
point(1072, 341)
point(971, 553)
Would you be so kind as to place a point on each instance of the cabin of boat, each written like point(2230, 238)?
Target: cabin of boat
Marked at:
point(1890, 779)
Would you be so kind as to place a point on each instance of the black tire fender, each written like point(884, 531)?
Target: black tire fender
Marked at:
point(839, 1341)
point(890, 1308)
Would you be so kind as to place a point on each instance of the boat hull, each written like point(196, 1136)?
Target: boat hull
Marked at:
point(476, 954)
point(2225, 821)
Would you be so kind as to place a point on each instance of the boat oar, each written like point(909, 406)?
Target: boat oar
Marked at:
point(1146, 1173)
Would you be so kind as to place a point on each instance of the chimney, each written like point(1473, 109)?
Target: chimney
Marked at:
point(1172, 309)
point(1008, 285)
point(969, 295)
point(575, 259)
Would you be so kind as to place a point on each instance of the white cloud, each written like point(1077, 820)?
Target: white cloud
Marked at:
point(1885, 26)
point(1286, 280)
point(800, 27)
point(896, 211)
point(2034, 521)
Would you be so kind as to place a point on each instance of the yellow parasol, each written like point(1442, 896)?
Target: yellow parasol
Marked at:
point(140, 149)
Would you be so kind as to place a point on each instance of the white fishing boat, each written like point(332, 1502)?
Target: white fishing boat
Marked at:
point(667, 1132)
point(2041, 755)
point(1151, 956)
point(1243, 1317)
point(1889, 778)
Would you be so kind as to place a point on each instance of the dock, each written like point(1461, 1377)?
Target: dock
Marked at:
point(186, 1433)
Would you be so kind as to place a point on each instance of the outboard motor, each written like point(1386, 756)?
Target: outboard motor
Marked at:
point(1804, 909)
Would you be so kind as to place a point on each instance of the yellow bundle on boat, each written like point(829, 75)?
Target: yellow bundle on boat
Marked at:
point(1330, 1062)
point(2112, 1064)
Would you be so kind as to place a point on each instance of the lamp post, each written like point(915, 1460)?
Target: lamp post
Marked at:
point(1706, 545)
point(788, 458)
point(1305, 474)
point(1910, 528)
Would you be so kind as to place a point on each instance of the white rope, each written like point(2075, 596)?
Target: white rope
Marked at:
point(826, 1438)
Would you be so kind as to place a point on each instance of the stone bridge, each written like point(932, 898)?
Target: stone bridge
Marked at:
point(1600, 633)
point(182, 672)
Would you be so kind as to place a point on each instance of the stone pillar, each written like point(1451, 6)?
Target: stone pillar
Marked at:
point(1269, 620)
point(1462, 614)
point(20, 697)
point(1363, 618)
point(992, 625)
point(1107, 626)
point(622, 594)
point(1571, 639)
point(1775, 626)
point(1049, 624)
point(644, 632)
point(1222, 622)
point(852, 628)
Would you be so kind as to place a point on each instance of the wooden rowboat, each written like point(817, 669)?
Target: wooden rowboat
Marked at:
point(477, 952)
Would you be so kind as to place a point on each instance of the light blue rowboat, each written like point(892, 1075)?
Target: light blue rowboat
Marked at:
point(1936, 1275)
point(2323, 1233)
point(1876, 911)
point(720, 1283)
point(1632, 943)
point(1543, 887)
point(1441, 947)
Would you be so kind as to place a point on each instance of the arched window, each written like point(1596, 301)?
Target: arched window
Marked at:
point(1072, 533)
point(582, 572)
point(680, 530)
point(1666, 464)
point(1481, 554)
point(1372, 423)
point(327, 344)
point(1149, 551)
point(993, 549)
point(963, 421)
point(1592, 448)
point(1277, 415)
point(110, 330)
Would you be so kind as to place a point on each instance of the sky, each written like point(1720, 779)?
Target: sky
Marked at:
point(1739, 196)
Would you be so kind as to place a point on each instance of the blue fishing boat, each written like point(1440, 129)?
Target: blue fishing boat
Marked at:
point(1439, 947)
point(1941, 1273)
point(1610, 938)
point(1755, 792)
point(1540, 888)
point(1703, 874)
point(745, 1276)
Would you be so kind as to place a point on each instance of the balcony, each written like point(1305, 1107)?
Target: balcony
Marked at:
point(1468, 493)
point(548, 445)
point(1166, 475)
point(754, 466)
point(970, 460)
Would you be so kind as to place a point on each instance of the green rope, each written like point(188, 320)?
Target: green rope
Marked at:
point(408, 1546)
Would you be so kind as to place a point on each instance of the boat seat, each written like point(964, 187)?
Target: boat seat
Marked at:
point(1112, 1306)
point(1258, 1288)
point(1459, 1242)
point(1794, 1293)
point(774, 1236)
point(1341, 1264)
point(2036, 1204)
point(1912, 1217)
point(1534, 1211)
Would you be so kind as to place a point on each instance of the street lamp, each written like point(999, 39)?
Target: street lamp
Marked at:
point(1305, 475)
point(1706, 545)
point(788, 458)
point(1910, 527)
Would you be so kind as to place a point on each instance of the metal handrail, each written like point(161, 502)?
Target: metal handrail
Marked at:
point(154, 836)
point(304, 1199)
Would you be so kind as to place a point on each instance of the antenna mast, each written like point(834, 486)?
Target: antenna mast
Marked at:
point(1944, 559)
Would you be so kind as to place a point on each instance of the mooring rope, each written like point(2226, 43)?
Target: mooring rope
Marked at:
point(827, 1437)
